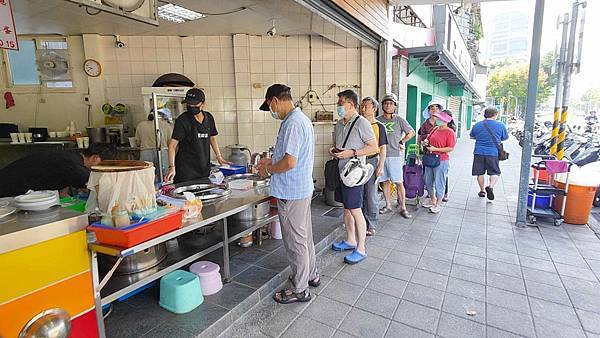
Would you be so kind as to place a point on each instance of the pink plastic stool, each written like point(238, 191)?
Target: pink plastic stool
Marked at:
point(210, 278)
point(275, 230)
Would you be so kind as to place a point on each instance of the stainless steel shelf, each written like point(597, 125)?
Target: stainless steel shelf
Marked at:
point(237, 202)
point(180, 253)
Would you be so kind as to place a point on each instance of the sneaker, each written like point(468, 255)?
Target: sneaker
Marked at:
point(426, 203)
point(436, 209)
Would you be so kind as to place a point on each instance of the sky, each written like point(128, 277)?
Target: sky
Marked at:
point(589, 76)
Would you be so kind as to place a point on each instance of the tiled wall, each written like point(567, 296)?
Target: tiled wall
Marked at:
point(207, 60)
point(303, 63)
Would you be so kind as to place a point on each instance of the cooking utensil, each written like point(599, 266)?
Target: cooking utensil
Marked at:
point(256, 212)
point(205, 192)
point(137, 262)
point(97, 135)
point(5, 211)
point(52, 323)
point(257, 181)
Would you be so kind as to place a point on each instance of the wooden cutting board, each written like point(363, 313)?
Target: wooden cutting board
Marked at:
point(121, 165)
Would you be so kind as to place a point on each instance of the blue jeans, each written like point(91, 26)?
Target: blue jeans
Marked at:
point(435, 179)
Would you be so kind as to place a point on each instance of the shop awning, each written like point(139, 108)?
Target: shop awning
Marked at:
point(442, 65)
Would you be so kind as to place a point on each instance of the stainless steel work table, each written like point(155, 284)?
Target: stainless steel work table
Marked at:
point(112, 288)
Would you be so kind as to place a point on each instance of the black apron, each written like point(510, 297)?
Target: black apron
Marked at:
point(192, 161)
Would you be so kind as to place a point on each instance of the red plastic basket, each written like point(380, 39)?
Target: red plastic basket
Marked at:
point(139, 234)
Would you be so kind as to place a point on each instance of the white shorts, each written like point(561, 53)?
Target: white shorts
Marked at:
point(392, 170)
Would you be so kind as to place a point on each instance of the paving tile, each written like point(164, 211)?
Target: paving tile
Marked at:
point(449, 243)
point(430, 279)
point(509, 320)
point(468, 274)
point(353, 274)
point(502, 256)
point(388, 285)
point(451, 326)
point(399, 330)
point(404, 258)
point(505, 282)
point(371, 264)
point(378, 251)
point(343, 292)
point(268, 318)
point(536, 263)
point(364, 324)
point(327, 311)
point(434, 265)
point(444, 255)
point(470, 261)
point(590, 321)
point(230, 296)
point(467, 308)
point(547, 328)
point(466, 289)
point(583, 286)
point(535, 253)
point(573, 271)
point(554, 312)
point(395, 270)
point(341, 334)
point(584, 301)
point(493, 332)
point(417, 316)
point(300, 325)
point(503, 268)
point(507, 299)
point(377, 303)
point(423, 295)
point(413, 248)
point(168, 330)
point(547, 292)
point(542, 277)
point(577, 260)
point(255, 276)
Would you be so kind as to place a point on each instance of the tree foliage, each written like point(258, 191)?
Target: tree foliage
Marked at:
point(591, 96)
point(508, 82)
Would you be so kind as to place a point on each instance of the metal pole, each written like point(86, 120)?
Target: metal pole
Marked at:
point(157, 134)
point(562, 132)
point(559, 83)
point(532, 89)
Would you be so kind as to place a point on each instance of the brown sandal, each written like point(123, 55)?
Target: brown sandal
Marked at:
point(287, 296)
point(370, 232)
point(404, 213)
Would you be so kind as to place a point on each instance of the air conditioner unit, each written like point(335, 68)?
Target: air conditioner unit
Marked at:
point(140, 10)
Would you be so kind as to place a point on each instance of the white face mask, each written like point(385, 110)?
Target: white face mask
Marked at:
point(274, 114)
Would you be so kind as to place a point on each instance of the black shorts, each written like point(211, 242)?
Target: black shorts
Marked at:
point(352, 198)
point(483, 164)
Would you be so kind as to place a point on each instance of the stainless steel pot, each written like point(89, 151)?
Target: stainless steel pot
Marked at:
point(257, 211)
point(135, 263)
point(256, 180)
point(97, 135)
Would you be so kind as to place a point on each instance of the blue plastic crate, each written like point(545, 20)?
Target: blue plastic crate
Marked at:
point(233, 169)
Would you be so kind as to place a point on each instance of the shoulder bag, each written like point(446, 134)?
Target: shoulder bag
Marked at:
point(428, 159)
point(332, 170)
point(502, 154)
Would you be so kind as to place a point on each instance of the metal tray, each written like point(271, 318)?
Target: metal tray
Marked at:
point(205, 192)
point(256, 180)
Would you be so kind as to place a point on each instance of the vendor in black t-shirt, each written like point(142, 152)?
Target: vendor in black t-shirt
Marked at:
point(193, 135)
point(52, 170)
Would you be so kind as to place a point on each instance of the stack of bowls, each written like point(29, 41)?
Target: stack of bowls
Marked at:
point(37, 200)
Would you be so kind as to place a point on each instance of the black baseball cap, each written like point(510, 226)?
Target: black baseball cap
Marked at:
point(194, 96)
point(274, 90)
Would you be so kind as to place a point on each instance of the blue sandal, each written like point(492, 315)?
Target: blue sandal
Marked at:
point(355, 257)
point(342, 246)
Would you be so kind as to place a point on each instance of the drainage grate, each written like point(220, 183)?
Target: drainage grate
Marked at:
point(334, 212)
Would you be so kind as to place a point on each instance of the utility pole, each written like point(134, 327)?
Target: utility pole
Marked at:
point(532, 90)
point(560, 67)
point(569, 69)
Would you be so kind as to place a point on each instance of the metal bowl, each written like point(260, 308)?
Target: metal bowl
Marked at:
point(137, 262)
point(52, 323)
point(256, 180)
point(204, 192)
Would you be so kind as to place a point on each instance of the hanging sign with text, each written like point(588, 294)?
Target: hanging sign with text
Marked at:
point(8, 33)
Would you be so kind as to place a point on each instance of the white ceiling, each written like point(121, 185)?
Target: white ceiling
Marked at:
point(66, 18)
point(435, 2)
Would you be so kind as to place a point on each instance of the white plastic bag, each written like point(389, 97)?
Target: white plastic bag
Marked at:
point(132, 189)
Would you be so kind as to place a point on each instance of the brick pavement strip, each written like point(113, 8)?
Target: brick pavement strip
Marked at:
point(464, 272)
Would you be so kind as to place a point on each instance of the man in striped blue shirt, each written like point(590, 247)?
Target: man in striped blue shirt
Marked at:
point(292, 184)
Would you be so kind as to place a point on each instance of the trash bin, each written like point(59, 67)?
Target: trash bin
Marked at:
point(579, 203)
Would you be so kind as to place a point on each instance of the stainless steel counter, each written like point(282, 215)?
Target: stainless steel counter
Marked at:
point(23, 229)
